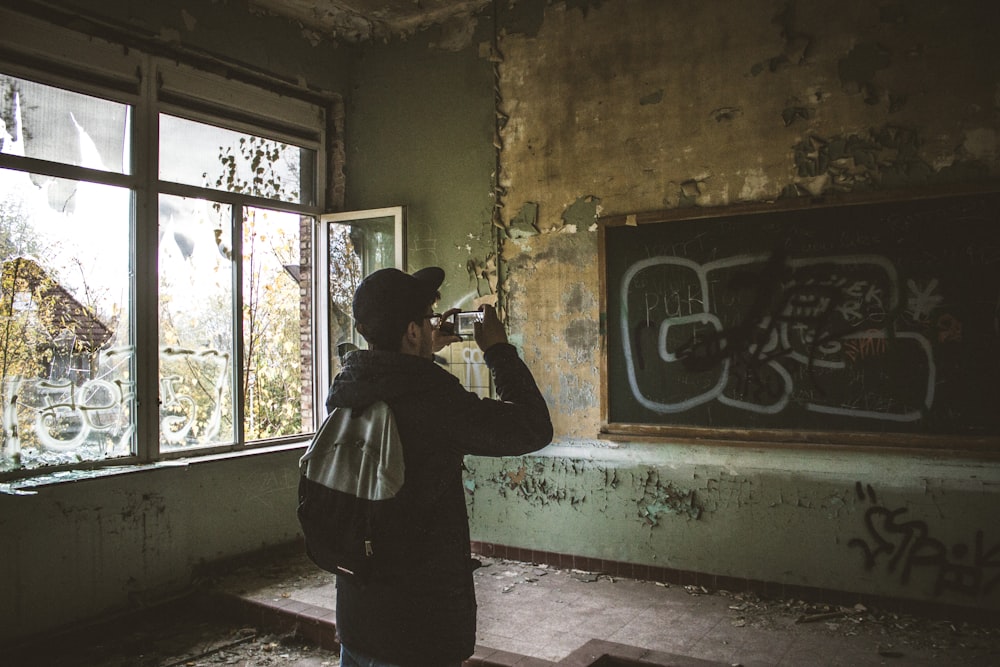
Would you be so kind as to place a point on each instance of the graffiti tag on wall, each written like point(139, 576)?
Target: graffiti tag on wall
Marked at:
point(754, 332)
point(900, 546)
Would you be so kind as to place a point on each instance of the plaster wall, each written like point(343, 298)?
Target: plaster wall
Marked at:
point(627, 106)
point(419, 133)
point(78, 548)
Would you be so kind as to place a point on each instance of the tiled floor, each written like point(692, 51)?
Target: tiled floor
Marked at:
point(537, 615)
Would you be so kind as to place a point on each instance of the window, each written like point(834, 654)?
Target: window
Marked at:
point(352, 245)
point(156, 254)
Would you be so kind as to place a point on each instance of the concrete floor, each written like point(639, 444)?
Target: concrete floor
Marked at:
point(536, 615)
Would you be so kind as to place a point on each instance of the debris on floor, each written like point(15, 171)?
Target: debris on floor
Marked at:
point(183, 635)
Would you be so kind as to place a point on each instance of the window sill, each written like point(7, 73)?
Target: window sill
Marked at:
point(27, 486)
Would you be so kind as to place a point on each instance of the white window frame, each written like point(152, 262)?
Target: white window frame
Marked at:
point(321, 312)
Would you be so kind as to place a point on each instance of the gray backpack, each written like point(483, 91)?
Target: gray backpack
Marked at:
point(349, 477)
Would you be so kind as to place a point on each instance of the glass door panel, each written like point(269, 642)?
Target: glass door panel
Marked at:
point(355, 244)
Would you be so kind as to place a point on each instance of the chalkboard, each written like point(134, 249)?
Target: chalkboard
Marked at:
point(873, 321)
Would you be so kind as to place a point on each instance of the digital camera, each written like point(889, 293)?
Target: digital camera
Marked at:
point(465, 322)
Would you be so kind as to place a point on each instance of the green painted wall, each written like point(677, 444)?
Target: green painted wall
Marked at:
point(419, 129)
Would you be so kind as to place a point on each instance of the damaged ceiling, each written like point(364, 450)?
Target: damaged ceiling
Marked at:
point(364, 20)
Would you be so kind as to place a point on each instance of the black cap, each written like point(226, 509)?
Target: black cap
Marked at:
point(389, 298)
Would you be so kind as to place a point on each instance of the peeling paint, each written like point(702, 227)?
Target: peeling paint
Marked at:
point(484, 272)
point(887, 157)
point(583, 212)
point(516, 478)
point(726, 114)
point(661, 498)
point(793, 113)
point(525, 223)
point(543, 482)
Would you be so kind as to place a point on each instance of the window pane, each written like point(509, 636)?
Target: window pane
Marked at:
point(65, 345)
point(277, 327)
point(356, 249)
point(48, 123)
point(195, 323)
point(204, 155)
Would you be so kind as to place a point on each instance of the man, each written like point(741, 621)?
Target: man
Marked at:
point(419, 608)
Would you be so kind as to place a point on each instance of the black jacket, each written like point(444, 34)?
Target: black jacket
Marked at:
point(420, 607)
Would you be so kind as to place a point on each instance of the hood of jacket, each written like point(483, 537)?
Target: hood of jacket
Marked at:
point(375, 375)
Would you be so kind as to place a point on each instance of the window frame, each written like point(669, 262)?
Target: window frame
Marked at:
point(321, 294)
point(150, 85)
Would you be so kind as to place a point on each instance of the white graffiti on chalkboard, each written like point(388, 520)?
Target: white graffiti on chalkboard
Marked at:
point(741, 330)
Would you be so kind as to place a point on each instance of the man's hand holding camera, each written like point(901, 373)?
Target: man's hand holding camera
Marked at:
point(489, 331)
point(486, 328)
point(444, 334)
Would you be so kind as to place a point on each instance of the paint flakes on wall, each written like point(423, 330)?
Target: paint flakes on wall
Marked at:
point(540, 482)
point(537, 488)
point(525, 223)
point(583, 212)
point(517, 478)
point(724, 492)
point(689, 192)
point(665, 498)
point(726, 114)
point(484, 273)
point(883, 158)
point(790, 114)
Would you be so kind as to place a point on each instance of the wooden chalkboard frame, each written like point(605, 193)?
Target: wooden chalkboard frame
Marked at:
point(988, 443)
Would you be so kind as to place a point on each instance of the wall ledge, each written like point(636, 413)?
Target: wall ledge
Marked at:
point(37, 479)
